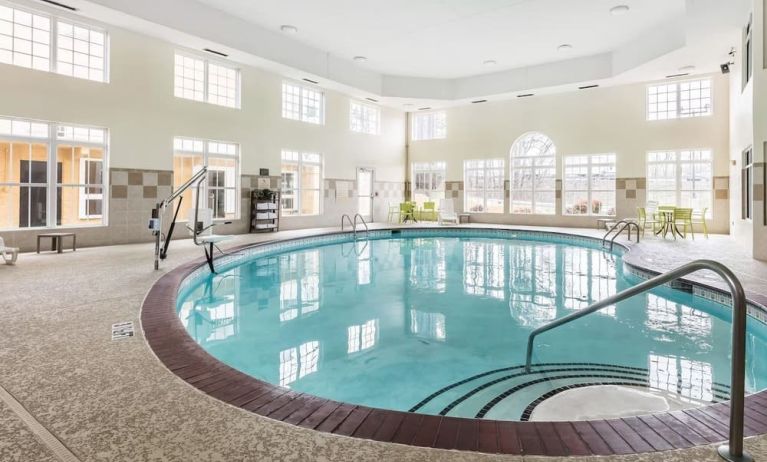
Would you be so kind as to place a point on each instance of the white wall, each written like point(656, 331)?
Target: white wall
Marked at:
point(601, 120)
point(143, 116)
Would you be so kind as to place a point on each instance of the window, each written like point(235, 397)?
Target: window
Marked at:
point(303, 103)
point(429, 126)
point(428, 181)
point(748, 52)
point(200, 80)
point(682, 179)
point(27, 39)
point(222, 185)
point(364, 118)
point(680, 99)
point(81, 52)
point(533, 175)
point(483, 186)
point(747, 184)
point(589, 185)
point(301, 183)
point(51, 175)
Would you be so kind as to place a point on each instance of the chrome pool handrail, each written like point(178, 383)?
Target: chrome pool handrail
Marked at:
point(734, 450)
point(626, 223)
point(349, 219)
point(357, 215)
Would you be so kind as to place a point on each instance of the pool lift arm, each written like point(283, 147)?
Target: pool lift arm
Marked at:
point(155, 223)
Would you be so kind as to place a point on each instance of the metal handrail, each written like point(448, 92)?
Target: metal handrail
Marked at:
point(626, 224)
point(354, 227)
point(357, 215)
point(734, 450)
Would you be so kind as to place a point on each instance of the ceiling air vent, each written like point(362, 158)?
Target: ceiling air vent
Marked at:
point(526, 95)
point(311, 81)
point(216, 52)
point(586, 87)
point(479, 101)
point(60, 5)
point(371, 99)
point(423, 108)
point(677, 75)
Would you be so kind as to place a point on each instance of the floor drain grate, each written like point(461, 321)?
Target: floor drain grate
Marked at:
point(123, 330)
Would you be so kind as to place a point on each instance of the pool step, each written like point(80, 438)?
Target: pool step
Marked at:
point(511, 393)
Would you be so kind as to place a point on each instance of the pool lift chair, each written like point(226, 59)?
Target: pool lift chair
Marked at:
point(202, 218)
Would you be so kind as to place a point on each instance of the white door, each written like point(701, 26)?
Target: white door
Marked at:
point(365, 193)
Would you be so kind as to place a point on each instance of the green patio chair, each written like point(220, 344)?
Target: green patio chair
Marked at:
point(699, 218)
point(683, 217)
point(406, 211)
point(429, 212)
point(644, 220)
point(393, 214)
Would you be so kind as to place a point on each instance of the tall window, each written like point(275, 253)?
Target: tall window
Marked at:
point(428, 181)
point(748, 63)
point(680, 99)
point(589, 185)
point(747, 184)
point(27, 39)
point(429, 126)
point(682, 179)
point(364, 118)
point(201, 80)
point(303, 103)
point(301, 190)
point(483, 185)
point(222, 185)
point(533, 175)
point(51, 175)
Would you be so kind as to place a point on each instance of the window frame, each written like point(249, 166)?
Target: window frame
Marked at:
point(536, 164)
point(678, 100)
point(52, 141)
point(364, 121)
point(432, 170)
point(84, 197)
point(433, 130)
point(485, 168)
point(747, 185)
point(589, 164)
point(678, 162)
point(206, 155)
point(302, 97)
point(748, 52)
point(299, 188)
point(206, 79)
point(54, 21)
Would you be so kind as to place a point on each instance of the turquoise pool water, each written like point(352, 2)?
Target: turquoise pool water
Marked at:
point(438, 325)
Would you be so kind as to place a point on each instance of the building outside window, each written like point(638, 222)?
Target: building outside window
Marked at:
point(747, 184)
point(301, 190)
point(483, 186)
point(429, 181)
point(364, 118)
point(533, 175)
point(589, 185)
point(206, 81)
point(691, 98)
point(429, 126)
point(303, 103)
point(52, 175)
point(222, 185)
point(681, 179)
point(36, 40)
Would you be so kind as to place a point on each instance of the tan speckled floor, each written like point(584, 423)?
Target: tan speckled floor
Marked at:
point(113, 401)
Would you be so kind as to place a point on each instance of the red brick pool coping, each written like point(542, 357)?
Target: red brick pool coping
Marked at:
point(173, 346)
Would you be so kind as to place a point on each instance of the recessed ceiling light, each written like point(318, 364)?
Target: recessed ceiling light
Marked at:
point(565, 47)
point(360, 59)
point(288, 29)
point(689, 68)
point(619, 10)
point(489, 62)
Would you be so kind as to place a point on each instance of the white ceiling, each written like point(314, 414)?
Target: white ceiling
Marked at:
point(449, 39)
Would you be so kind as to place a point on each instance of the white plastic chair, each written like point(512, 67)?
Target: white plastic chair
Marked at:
point(9, 254)
point(447, 212)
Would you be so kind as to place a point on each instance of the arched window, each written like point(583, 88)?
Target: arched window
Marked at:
point(533, 175)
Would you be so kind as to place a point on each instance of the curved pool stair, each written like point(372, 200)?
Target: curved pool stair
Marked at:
point(512, 394)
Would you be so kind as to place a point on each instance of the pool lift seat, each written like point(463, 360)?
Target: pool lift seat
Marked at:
point(202, 229)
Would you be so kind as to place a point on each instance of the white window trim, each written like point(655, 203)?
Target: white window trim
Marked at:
point(678, 162)
point(533, 169)
point(205, 90)
point(414, 136)
point(590, 189)
point(53, 40)
point(84, 197)
point(206, 156)
point(301, 102)
point(365, 106)
point(299, 187)
point(430, 171)
point(52, 142)
point(678, 100)
point(485, 189)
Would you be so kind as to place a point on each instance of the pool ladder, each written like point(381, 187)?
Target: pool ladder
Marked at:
point(620, 226)
point(353, 224)
point(734, 450)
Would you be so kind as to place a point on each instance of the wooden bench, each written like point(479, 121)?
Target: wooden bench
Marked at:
point(57, 241)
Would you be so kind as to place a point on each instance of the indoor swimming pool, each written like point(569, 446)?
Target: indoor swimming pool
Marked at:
point(436, 322)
